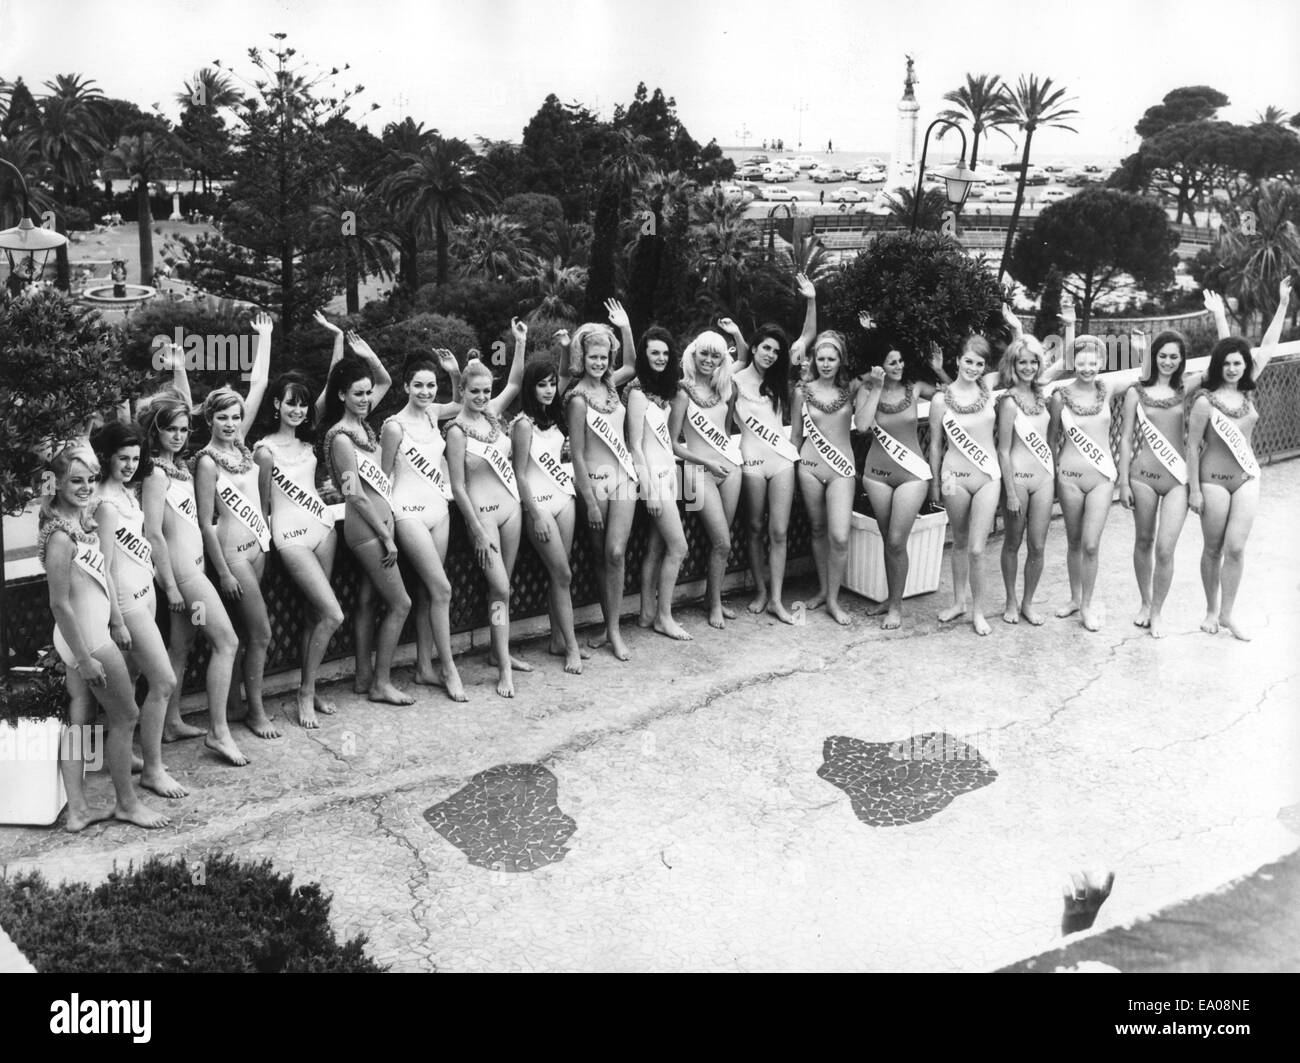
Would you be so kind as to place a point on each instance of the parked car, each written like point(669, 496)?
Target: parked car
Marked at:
point(978, 190)
point(1077, 180)
point(757, 160)
point(783, 195)
point(1037, 177)
point(829, 175)
point(777, 174)
point(1000, 179)
point(750, 172)
point(803, 162)
point(1004, 195)
point(753, 188)
point(1055, 195)
point(1092, 169)
point(871, 175)
point(734, 191)
point(848, 194)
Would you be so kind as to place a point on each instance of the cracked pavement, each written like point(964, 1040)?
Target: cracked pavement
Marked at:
point(705, 839)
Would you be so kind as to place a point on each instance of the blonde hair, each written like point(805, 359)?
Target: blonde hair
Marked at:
point(61, 465)
point(219, 399)
point(713, 342)
point(578, 348)
point(835, 340)
point(474, 368)
point(1007, 368)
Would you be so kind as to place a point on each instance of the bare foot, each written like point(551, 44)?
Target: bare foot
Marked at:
point(142, 816)
point(573, 662)
point(516, 663)
point(1068, 609)
point(1031, 614)
point(1091, 619)
point(717, 617)
point(163, 785)
point(427, 679)
point(81, 818)
point(562, 651)
point(668, 626)
point(1010, 613)
point(389, 695)
point(260, 724)
point(363, 681)
point(1238, 632)
point(1143, 618)
point(227, 749)
point(838, 613)
point(325, 708)
point(137, 764)
point(778, 610)
point(952, 612)
point(1210, 625)
point(451, 680)
point(759, 604)
point(645, 620)
point(878, 609)
point(816, 601)
point(307, 711)
point(617, 646)
point(597, 642)
point(893, 620)
point(178, 732)
point(506, 685)
point(980, 625)
point(1157, 626)
point(728, 612)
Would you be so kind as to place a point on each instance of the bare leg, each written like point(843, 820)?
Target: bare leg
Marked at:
point(179, 644)
point(839, 517)
point(1072, 511)
point(1241, 517)
point(905, 502)
point(420, 546)
point(780, 500)
point(814, 501)
point(148, 652)
point(118, 699)
point(958, 504)
point(1173, 513)
point(257, 641)
point(209, 615)
point(983, 509)
point(311, 578)
point(387, 582)
point(1146, 510)
point(363, 631)
point(559, 591)
point(72, 764)
point(1096, 511)
point(1040, 519)
point(650, 568)
point(618, 525)
point(1013, 535)
point(668, 530)
point(755, 491)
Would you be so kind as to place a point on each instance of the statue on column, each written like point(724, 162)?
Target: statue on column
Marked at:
point(910, 80)
point(118, 276)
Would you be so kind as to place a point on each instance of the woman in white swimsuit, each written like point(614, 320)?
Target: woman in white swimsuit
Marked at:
point(302, 529)
point(120, 520)
point(87, 621)
point(412, 456)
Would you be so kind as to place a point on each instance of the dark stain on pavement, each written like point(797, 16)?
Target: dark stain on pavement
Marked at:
point(506, 818)
point(892, 783)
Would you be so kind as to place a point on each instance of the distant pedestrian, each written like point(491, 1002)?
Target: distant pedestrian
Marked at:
point(821, 196)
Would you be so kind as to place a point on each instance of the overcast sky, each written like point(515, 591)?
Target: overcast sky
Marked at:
point(469, 67)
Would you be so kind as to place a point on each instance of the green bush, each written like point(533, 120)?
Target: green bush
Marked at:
point(920, 288)
point(486, 306)
point(167, 918)
point(37, 693)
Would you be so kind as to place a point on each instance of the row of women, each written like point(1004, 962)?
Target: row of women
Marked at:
point(129, 516)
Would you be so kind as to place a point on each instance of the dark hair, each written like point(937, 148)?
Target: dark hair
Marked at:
point(160, 410)
point(112, 437)
point(417, 362)
point(877, 344)
point(1225, 347)
point(295, 387)
point(1176, 377)
point(775, 383)
point(344, 374)
point(662, 384)
point(535, 372)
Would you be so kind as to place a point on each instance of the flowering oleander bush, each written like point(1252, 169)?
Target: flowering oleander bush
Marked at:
point(170, 916)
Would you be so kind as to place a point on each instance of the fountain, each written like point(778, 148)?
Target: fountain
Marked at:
point(106, 296)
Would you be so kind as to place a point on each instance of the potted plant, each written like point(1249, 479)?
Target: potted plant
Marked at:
point(33, 712)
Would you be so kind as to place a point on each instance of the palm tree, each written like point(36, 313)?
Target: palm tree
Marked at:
point(440, 187)
point(362, 252)
point(402, 139)
point(1033, 105)
point(1250, 267)
point(983, 102)
point(929, 217)
point(144, 158)
point(555, 287)
point(22, 156)
point(1272, 116)
point(493, 247)
point(70, 138)
point(211, 90)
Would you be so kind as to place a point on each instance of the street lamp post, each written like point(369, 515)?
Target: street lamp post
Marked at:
point(957, 178)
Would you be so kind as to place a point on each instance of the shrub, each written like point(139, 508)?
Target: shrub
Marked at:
point(239, 917)
point(486, 306)
point(37, 693)
point(921, 288)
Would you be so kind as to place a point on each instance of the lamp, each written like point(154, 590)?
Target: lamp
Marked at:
point(958, 179)
point(27, 239)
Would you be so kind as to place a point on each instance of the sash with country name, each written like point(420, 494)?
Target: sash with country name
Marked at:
point(658, 421)
point(1236, 441)
point(180, 496)
point(773, 437)
point(1166, 453)
point(830, 453)
point(419, 460)
point(604, 429)
point(91, 562)
point(498, 459)
point(550, 464)
point(297, 495)
point(903, 456)
point(1034, 442)
point(136, 547)
point(243, 509)
point(969, 448)
point(713, 435)
point(371, 473)
point(1098, 456)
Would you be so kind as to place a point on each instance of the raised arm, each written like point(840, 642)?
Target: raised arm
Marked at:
point(868, 398)
point(382, 381)
point(1214, 304)
point(180, 375)
point(515, 380)
point(1267, 348)
point(561, 341)
point(443, 410)
point(798, 349)
point(153, 500)
point(335, 358)
point(1127, 426)
point(738, 338)
point(261, 372)
point(623, 372)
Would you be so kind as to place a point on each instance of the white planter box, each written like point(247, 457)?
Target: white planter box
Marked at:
point(866, 570)
point(31, 788)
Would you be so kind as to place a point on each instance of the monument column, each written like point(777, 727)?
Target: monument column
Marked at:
point(902, 163)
